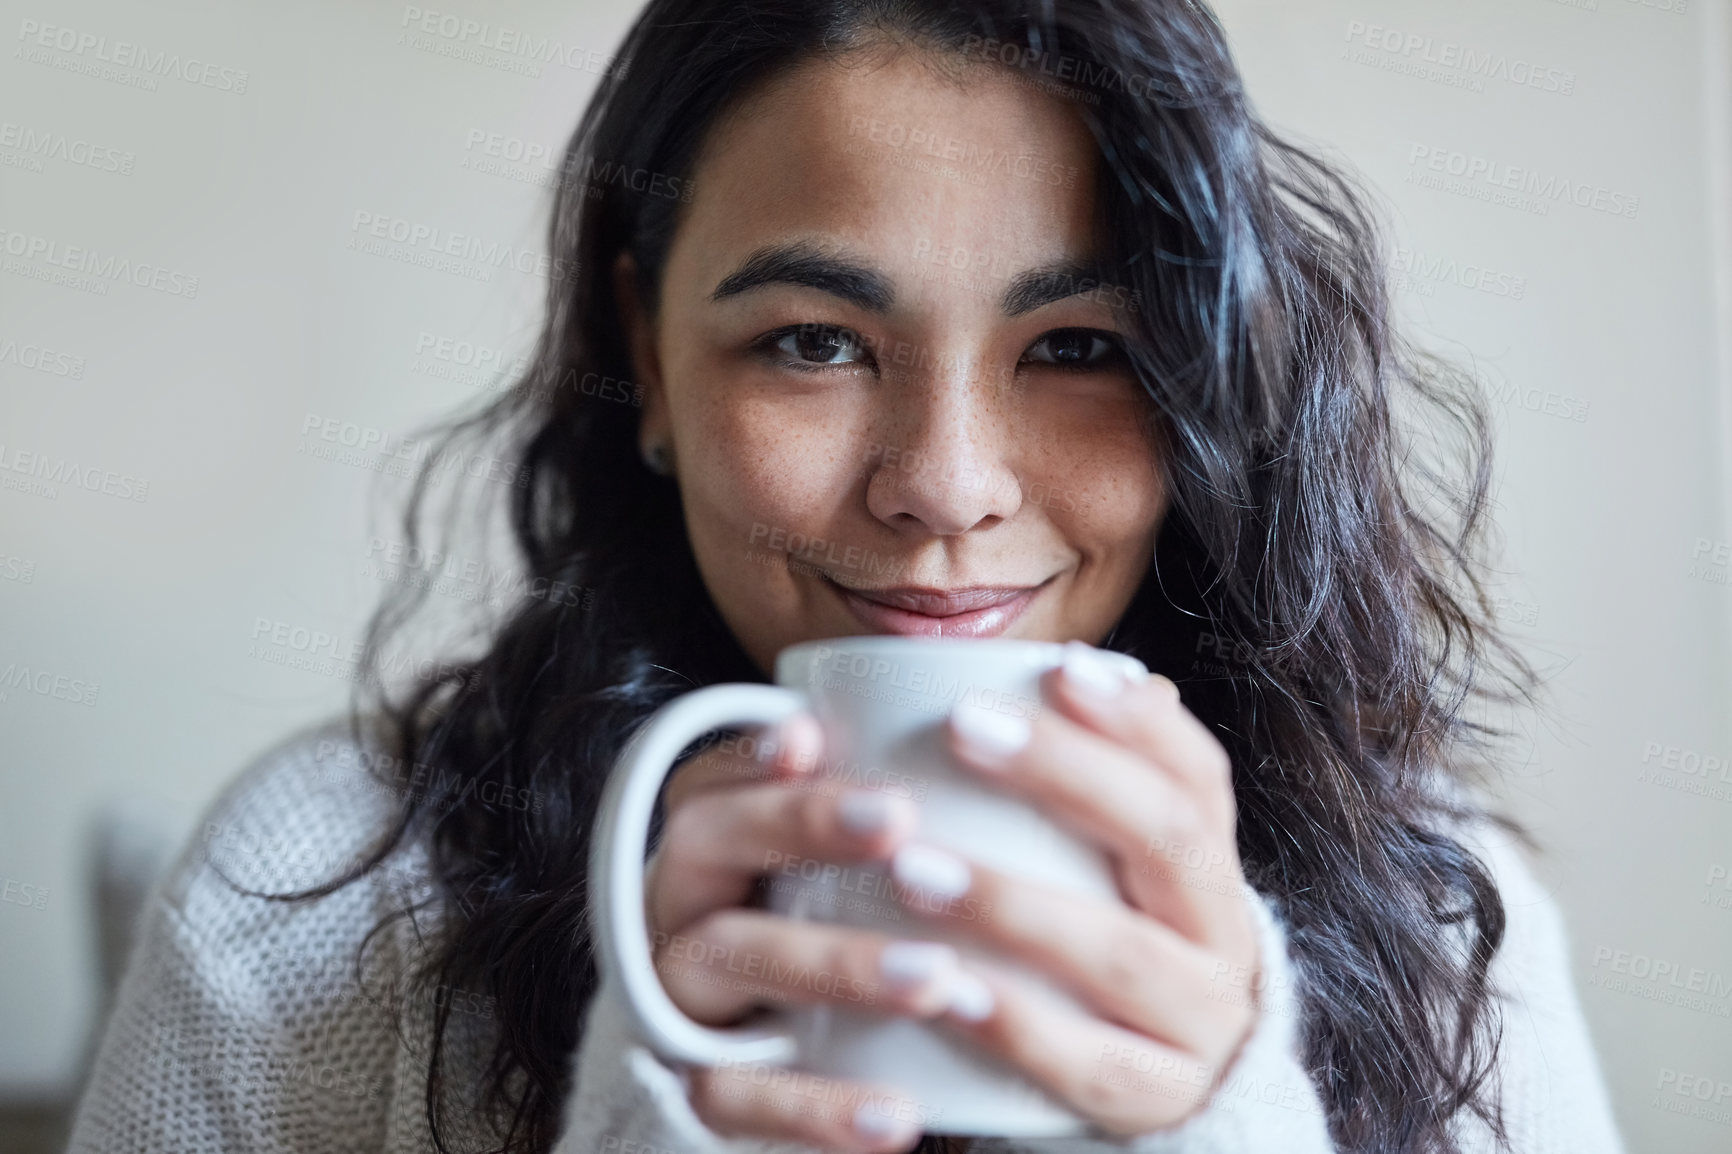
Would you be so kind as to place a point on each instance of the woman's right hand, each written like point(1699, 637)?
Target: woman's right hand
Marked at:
point(734, 814)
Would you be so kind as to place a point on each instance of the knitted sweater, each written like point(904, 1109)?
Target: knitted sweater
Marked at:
point(240, 1024)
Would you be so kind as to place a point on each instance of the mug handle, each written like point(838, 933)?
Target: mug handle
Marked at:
point(616, 872)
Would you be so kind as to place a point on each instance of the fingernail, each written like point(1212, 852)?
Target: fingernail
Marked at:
point(881, 1124)
point(928, 870)
point(865, 811)
point(1088, 669)
point(970, 998)
point(910, 965)
point(996, 734)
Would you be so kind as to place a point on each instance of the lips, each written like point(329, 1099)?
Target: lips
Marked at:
point(925, 611)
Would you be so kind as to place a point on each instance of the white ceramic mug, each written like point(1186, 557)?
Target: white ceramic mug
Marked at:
point(881, 702)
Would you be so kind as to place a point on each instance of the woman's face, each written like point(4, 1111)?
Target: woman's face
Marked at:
point(887, 377)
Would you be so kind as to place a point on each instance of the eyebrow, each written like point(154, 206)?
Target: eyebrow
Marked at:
point(1042, 286)
point(809, 266)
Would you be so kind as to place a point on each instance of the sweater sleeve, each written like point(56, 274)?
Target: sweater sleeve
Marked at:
point(626, 1100)
point(245, 1025)
point(237, 1025)
point(1554, 1095)
point(197, 1058)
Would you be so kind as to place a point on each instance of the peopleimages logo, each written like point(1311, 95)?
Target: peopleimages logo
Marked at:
point(47, 683)
point(1528, 189)
point(431, 243)
point(46, 472)
point(1466, 59)
point(482, 359)
point(529, 161)
point(42, 144)
point(370, 447)
point(1416, 266)
point(90, 267)
point(87, 46)
point(523, 47)
point(17, 893)
point(41, 359)
point(978, 161)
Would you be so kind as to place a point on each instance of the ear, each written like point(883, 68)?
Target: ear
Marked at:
point(640, 334)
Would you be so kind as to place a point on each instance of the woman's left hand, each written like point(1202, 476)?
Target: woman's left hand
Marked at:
point(1166, 975)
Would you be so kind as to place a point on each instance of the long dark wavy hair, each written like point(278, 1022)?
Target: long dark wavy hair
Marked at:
point(1323, 553)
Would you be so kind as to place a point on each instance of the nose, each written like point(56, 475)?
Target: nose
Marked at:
point(943, 461)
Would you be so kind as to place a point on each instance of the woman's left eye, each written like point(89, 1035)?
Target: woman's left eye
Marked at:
point(1073, 348)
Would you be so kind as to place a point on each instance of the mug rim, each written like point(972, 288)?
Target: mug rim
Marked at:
point(858, 641)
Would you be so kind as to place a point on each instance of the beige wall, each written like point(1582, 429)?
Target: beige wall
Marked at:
point(1600, 331)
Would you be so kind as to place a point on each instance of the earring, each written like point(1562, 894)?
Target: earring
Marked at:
point(656, 458)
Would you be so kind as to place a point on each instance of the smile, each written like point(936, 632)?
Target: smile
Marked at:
point(925, 611)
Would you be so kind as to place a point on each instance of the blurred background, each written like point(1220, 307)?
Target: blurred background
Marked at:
point(214, 359)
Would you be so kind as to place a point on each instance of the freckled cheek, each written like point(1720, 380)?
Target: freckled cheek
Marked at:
point(1113, 531)
point(1111, 510)
point(765, 464)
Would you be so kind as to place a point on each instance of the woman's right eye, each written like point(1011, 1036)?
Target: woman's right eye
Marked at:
point(809, 345)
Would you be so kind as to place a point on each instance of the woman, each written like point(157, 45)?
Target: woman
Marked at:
point(964, 319)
